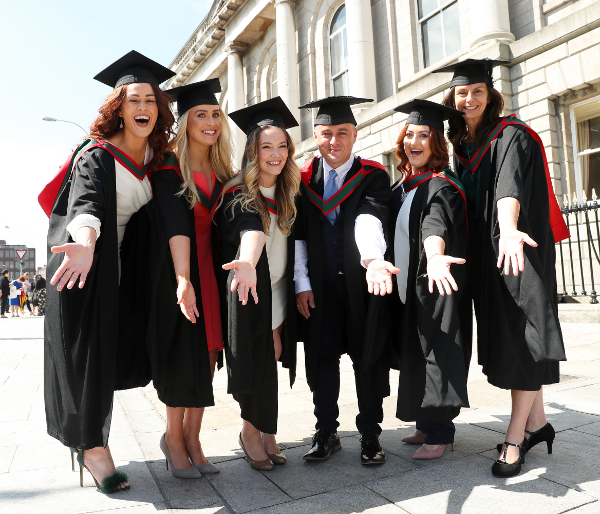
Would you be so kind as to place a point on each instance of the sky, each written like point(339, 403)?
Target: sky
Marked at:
point(50, 52)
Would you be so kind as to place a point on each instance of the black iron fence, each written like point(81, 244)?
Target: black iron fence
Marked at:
point(580, 254)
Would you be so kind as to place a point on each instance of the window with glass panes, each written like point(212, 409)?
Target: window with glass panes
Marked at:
point(440, 29)
point(274, 80)
point(585, 129)
point(338, 52)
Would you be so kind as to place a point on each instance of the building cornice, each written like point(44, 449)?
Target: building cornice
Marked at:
point(203, 41)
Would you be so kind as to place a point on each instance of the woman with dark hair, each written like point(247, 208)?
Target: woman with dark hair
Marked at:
point(184, 354)
point(257, 214)
point(515, 222)
point(428, 226)
point(40, 289)
point(95, 343)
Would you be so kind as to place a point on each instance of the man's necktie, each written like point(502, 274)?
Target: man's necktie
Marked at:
point(330, 190)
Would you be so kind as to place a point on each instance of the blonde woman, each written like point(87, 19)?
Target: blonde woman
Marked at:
point(257, 214)
point(187, 193)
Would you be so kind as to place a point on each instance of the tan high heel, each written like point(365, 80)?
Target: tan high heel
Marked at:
point(277, 458)
point(260, 465)
point(423, 454)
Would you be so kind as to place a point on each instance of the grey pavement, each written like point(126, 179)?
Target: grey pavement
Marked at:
point(36, 476)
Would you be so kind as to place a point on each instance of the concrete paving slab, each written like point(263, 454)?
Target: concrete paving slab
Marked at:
point(14, 412)
point(246, 489)
point(46, 455)
point(583, 399)
point(590, 508)
point(7, 454)
point(181, 493)
point(22, 432)
point(342, 501)
point(592, 429)
point(573, 463)
point(300, 479)
point(468, 487)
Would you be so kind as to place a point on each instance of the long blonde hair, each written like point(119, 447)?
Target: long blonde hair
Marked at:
point(220, 155)
point(287, 185)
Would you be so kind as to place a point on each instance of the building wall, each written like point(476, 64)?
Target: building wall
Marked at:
point(383, 49)
point(10, 261)
point(522, 20)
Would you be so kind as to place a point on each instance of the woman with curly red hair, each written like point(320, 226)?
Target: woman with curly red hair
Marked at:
point(95, 335)
point(429, 231)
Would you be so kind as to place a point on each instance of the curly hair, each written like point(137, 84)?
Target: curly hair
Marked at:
point(220, 155)
point(438, 160)
point(287, 185)
point(106, 125)
point(457, 127)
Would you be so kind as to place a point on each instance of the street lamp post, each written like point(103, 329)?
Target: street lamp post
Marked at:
point(48, 118)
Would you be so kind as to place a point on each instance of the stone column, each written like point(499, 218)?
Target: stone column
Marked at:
point(287, 60)
point(361, 50)
point(490, 21)
point(236, 99)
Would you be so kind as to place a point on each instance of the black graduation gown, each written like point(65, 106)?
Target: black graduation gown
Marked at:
point(368, 336)
point(178, 349)
point(519, 339)
point(434, 335)
point(95, 337)
point(250, 355)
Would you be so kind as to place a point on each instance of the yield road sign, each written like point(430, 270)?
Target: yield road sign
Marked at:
point(21, 253)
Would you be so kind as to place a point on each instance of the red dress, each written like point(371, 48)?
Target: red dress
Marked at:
point(203, 222)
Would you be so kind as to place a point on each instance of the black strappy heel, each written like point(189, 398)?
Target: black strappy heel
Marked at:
point(546, 433)
point(502, 469)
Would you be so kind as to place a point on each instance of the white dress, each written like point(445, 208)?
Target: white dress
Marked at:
point(276, 246)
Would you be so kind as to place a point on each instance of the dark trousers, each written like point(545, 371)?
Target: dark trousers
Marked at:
point(437, 433)
point(331, 347)
point(4, 307)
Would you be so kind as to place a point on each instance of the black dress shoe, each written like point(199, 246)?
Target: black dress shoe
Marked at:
point(503, 469)
point(371, 451)
point(324, 443)
point(545, 434)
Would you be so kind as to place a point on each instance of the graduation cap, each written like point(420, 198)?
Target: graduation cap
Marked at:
point(272, 112)
point(134, 68)
point(198, 93)
point(335, 110)
point(471, 71)
point(424, 112)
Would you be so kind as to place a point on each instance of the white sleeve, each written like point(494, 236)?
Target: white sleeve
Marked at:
point(301, 280)
point(83, 220)
point(368, 233)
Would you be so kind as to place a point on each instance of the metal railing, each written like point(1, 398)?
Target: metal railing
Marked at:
point(583, 245)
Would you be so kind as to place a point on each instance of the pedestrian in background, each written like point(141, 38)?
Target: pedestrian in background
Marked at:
point(4, 292)
point(15, 296)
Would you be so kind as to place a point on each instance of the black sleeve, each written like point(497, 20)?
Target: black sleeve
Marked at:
point(514, 159)
point(445, 210)
point(378, 196)
point(88, 186)
point(173, 209)
point(234, 220)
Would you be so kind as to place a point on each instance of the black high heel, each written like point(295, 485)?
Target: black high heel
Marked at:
point(502, 469)
point(546, 433)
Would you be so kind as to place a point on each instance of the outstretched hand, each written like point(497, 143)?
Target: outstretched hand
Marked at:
point(76, 264)
point(438, 271)
point(510, 250)
point(244, 279)
point(186, 299)
point(379, 276)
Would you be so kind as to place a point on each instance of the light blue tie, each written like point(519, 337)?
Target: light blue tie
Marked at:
point(330, 190)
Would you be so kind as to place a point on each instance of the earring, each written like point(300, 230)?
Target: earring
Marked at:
point(121, 124)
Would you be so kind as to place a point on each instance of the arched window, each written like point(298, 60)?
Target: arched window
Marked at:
point(338, 51)
point(274, 80)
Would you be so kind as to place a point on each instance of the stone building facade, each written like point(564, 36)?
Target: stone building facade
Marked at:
point(386, 49)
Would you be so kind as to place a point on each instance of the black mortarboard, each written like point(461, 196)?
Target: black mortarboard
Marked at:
point(471, 71)
point(335, 110)
point(424, 112)
point(198, 93)
point(134, 68)
point(270, 112)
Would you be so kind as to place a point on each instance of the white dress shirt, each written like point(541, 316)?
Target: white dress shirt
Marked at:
point(368, 232)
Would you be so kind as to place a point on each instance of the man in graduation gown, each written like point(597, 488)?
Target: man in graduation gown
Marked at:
point(339, 231)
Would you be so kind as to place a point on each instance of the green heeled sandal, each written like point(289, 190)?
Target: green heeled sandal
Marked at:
point(73, 454)
point(110, 484)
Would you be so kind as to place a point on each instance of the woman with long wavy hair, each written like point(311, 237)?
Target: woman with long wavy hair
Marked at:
point(95, 333)
point(184, 246)
point(429, 230)
point(502, 165)
point(255, 223)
